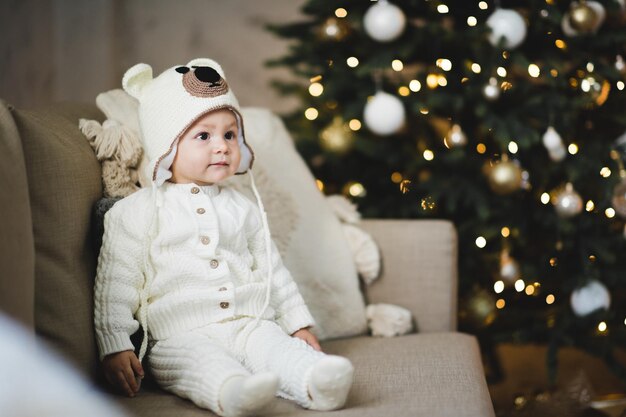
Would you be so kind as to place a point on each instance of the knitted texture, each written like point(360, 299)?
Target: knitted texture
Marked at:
point(206, 263)
point(171, 102)
point(196, 365)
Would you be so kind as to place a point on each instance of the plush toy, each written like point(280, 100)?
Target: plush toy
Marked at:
point(386, 320)
point(117, 144)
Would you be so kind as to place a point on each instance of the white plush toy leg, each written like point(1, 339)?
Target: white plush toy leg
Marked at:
point(388, 320)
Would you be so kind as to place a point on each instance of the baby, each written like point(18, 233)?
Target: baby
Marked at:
point(193, 263)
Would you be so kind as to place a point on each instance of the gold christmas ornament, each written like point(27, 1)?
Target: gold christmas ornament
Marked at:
point(337, 137)
point(567, 202)
point(504, 177)
point(595, 87)
point(455, 137)
point(334, 29)
point(583, 18)
point(480, 308)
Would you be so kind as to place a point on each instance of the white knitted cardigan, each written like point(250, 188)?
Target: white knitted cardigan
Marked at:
point(181, 256)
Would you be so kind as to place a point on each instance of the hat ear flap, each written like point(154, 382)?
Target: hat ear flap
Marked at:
point(136, 78)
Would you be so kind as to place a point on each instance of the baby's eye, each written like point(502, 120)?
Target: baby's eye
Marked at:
point(229, 135)
point(202, 136)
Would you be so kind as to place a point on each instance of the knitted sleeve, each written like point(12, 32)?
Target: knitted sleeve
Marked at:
point(119, 280)
point(292, 314)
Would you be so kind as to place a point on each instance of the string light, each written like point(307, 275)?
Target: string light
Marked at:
point(560, 44)
point(498, 286)
point(415, 86)
point(341, 12)
point(530, 289)
point(620, 85)
point(481, 242)
point(500, 304)
point(316, 89)
point(545, 198)
point(590, 206)
point(444, 64)
point(481, 148)
point(429, 155)
point(572, 148)
point(404, 91)
point(590, 66)
point(432, 80)
point(505, 231)
point(442, 81)
point(550, 299)
point(320, 185)
point(476, 68)
point(472, 21)
point(501, 71)
point(534, 71)
point(356, 190)
point(311, 113)
point(443, 9)
point(610, 212)
point(352, 61)
point(397, 65)
point(354, 124)
point(520, 285)
point(483, 5)
point(605, 172)
point(554, 73)
point(396, 177)
point(513, 147)
point(424, 110)
point(554, 262)
point(602, 327)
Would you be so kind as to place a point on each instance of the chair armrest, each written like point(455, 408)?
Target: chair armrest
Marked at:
point(419, 270)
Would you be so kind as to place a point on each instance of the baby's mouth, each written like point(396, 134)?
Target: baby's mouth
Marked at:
point(223, 163)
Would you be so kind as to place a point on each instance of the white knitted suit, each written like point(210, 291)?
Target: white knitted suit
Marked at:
point(203, 278)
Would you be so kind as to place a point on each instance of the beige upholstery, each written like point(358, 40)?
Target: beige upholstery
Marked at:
point(415, 375)
point(48, 260)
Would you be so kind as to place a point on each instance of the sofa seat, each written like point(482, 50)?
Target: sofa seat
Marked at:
point(442, 366)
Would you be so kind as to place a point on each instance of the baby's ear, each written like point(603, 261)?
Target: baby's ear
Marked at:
point(136, 78)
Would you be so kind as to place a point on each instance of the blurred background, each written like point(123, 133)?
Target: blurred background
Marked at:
point(518, 137)
point(59, 50)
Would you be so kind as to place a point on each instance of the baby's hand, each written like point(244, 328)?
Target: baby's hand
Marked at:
point(124, 371)
point(306, 335)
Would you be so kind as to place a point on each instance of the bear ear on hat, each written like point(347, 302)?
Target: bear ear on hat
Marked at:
point(136, 78)
point(206, 62)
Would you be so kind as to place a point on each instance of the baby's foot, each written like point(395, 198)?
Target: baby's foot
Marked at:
point(245, 396)
point(330, 383)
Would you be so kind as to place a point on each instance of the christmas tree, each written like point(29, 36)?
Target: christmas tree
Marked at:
point(507, 118)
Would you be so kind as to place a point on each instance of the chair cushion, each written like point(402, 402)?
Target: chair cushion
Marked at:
point(64, 182)
point(425, 375)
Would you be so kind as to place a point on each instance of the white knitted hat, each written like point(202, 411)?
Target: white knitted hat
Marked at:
point(171, 102)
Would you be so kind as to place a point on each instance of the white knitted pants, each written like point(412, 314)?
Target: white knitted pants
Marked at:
point(196, 364)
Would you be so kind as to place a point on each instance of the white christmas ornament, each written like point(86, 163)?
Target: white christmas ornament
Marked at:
point(568, 202)
point(384, 21)
point(491, 91)
point(507, 24)
point(589, 298)
point(554, 144)
point(384, 114)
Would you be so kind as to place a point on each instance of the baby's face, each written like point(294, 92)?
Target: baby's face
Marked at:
point(208, 151)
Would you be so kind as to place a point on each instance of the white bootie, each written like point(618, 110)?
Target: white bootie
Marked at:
point(245, 396)
point(330, 382)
